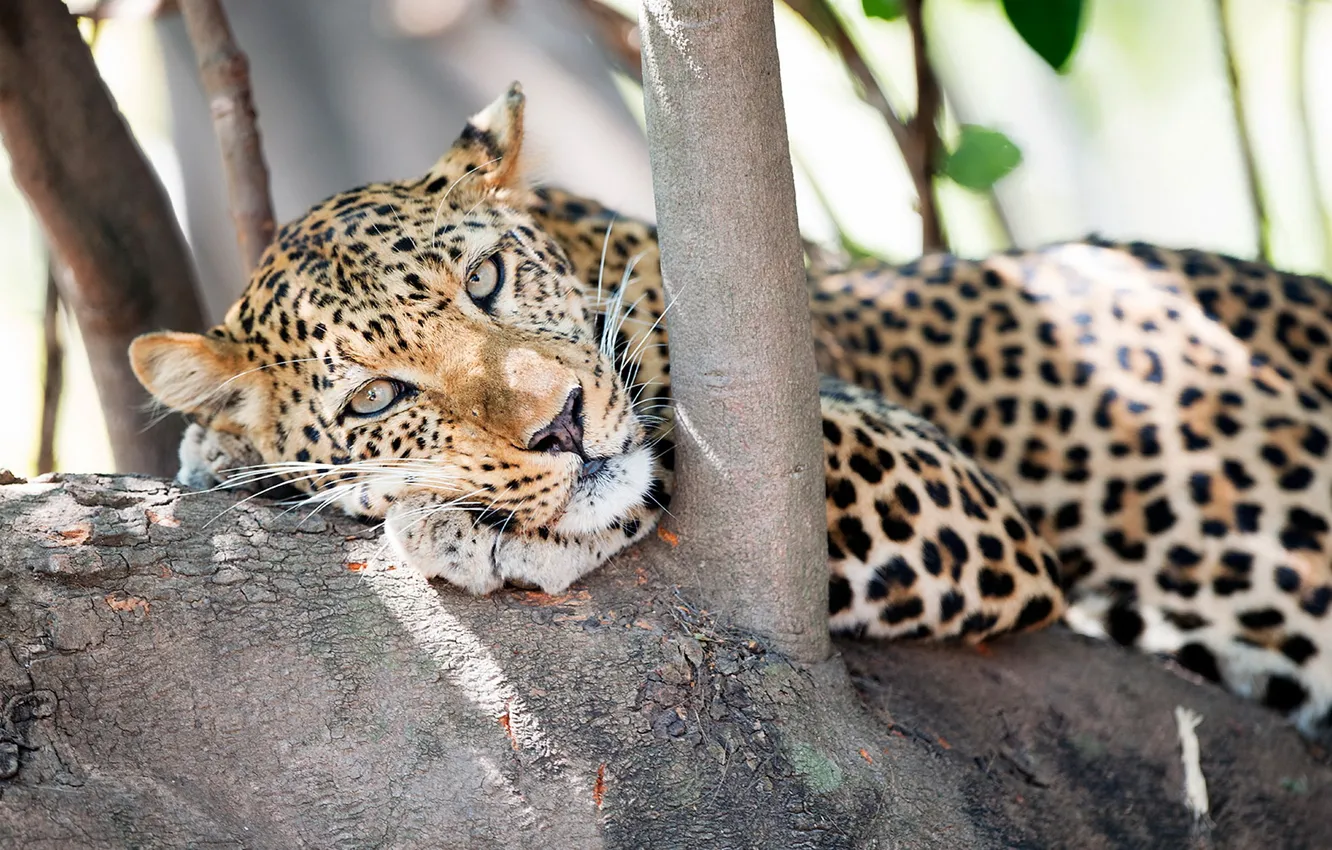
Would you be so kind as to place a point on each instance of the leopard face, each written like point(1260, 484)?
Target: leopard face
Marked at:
point(424, 335)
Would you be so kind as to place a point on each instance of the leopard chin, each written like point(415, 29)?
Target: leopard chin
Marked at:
point(609, 494)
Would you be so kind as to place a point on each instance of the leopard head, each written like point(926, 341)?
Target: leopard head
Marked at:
point(422, 335)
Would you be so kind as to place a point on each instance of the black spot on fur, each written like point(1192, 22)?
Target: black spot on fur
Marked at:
point(931, 558)
point(1199, 659)
point(839, 594)
point(1124, 624)
point(1298, 648)
point(995, 584)
point(1263, 618)
point(1284, 694)
point(896, 572)
point(1036, 611)
point(854, 536)
point(906, 610)
point(950, 605)
point(1160, 517)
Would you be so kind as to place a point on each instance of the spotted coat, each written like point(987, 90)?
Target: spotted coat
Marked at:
point(1130, 432)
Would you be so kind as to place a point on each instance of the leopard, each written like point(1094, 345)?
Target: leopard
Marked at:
point(1122, 437)
point(481, 366)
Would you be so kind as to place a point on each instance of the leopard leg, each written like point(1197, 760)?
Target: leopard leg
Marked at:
point(921, 542)
point(479, 558)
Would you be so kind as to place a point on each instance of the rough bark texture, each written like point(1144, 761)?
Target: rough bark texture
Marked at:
point(103, 211)
point(748, 504)
point(226, 79)
point(170, 681)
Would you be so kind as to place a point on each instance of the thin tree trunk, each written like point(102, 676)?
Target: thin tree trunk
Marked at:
point(226, 79)
point(749, 508)
point(104, 212)
point(53, 365)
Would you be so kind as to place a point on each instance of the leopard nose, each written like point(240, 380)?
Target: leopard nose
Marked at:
point(565, 431)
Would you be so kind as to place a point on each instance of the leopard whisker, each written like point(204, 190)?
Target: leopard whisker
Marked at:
point(322, 470)
point(616, 308)
point(623, 364)
point(621, 314)
point(338, 492)
point(434, 222)
point(601, 270)
point(423, 515)
point(674, 300)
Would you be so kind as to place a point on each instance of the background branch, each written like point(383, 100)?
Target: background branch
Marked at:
point(226, 79)
point(1310, 140)
point(917, 139)
point(618, 37)
point(1251, 178)
point(104, 213)
point(924, 131)
point(53, 365)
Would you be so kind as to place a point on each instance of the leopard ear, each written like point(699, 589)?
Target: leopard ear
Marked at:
point(200, 375)
point(487, 156)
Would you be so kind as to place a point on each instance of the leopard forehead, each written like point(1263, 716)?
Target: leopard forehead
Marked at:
point(398, 249)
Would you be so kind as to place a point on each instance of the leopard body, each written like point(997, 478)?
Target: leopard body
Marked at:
point(1123, 435)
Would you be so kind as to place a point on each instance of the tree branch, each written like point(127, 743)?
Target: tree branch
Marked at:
point(924, 127)
point(1308, 136)
point(824, 21)
point(226, 79)
point(918, 140)
point(163, 655)
point(104, 213)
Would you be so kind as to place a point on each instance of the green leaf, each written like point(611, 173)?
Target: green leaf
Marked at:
point(887, 10)
point(1050, 27)
point(982, 158)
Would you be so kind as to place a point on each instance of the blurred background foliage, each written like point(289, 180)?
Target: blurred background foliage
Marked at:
point(1200, 123)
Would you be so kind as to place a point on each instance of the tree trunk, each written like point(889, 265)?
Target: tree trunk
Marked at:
point(179, 670)
point(748, 503)
point(104, 212)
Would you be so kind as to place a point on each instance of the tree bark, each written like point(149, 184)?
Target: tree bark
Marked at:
point(748, 503)
point(104, 212)
point(189, 669)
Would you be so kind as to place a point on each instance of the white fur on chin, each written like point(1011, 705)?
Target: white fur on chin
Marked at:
point(599, 502)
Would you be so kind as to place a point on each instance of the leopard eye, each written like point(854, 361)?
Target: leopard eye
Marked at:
point(375, 397)
point(485, 279)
